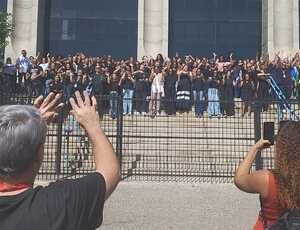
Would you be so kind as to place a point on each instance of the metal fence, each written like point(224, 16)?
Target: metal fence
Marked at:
point(181, 147)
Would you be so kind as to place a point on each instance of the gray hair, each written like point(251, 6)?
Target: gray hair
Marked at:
point(22, 132)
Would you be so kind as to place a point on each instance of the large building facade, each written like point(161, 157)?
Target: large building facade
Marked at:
point(148, 27)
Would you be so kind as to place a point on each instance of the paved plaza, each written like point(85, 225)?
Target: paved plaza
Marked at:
point(179, 206)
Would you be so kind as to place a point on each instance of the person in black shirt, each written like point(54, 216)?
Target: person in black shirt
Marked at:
point(126, 85)
point(98, 89)
point(184, 89)
point(247, 93)
point(9, 75)
point(170, 90)
point(213, 96)
point(199, 90)
point(113, 84)
point(140, 90)
point(36, 78)
point(228, 88)
point(64, 205)
point(262, 89)
point(56, 85)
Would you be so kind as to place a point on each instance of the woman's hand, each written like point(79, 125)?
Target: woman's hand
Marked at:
point(262, 144)
point(49, 106)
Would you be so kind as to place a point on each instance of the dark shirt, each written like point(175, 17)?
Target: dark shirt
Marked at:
point(147, 71)
point(199, 84)
point(64, 205)
point(114, 85)
point(140, 81)
point(213, 84)
point(236, 72)
point(127, 84)
point(98, 85)
point(9, 69)
point(56, 87)
point(36, 70)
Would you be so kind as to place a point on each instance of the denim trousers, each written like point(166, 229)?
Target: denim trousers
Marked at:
point(127, 101)
point(113, 99)
point(199, 102)
point(213, 102)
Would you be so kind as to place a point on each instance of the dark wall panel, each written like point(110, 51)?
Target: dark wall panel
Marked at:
point(3, 5)
point(200, 27)
point(94, 27)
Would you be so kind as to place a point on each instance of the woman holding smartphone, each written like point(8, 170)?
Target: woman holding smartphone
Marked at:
point(279, 189)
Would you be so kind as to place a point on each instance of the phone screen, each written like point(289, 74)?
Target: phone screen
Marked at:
point(269, 132)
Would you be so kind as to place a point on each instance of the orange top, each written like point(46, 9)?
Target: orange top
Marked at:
point(270, 206)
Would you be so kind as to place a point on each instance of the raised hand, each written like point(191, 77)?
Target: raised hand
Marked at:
point(262, 144)
point(85, 111)
point(48, 107)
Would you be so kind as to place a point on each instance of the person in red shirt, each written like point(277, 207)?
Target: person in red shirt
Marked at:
point(72, 204)
point(279, 189)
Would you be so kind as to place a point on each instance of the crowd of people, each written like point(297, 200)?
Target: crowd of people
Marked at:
point(156, 85)
point(179, 82)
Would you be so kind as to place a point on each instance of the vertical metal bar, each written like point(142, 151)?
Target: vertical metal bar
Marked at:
point(119, 136)
point(257, 133)
point(59, 144)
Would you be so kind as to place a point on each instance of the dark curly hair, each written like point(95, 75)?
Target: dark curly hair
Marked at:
point(287, 165)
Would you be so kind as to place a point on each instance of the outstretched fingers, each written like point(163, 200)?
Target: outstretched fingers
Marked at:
point(38, 102)
point(79, 99)
point(48, 99)
point(73, 104)
point(94, 103)
point(53, 103)
point(87, 100)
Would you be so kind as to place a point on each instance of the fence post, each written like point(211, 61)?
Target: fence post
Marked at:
point(59, 143)
point(257, 133)
point(119, 136)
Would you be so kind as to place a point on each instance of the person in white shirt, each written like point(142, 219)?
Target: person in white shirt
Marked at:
point(23, 65)
point(157, 91)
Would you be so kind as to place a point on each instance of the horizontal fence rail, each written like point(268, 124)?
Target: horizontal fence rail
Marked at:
point(155, 146)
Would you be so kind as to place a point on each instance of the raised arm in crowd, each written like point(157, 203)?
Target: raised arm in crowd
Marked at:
point(165, 85)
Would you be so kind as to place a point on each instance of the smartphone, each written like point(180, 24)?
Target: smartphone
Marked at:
point(269, 132)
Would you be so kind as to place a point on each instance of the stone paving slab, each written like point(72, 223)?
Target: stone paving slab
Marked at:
point(179, 206)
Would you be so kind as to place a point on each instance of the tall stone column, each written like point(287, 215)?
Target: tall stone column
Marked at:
point(28, 20)
point(280, 27)
point(153, 27)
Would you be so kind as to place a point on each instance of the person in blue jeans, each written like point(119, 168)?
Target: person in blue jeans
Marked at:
point(113, 84)
point(213, 97)
point(127, 85)
point(199, 90)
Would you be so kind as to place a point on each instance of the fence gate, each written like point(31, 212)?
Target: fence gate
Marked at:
point(162, 148)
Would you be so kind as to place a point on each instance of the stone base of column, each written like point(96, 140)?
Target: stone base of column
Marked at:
point(28, 21)
point(153, 28)
point(280, 28)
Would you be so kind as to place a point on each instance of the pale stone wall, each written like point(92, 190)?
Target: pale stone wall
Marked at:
point(25, 18)
point(280, 27)
point(153, 27)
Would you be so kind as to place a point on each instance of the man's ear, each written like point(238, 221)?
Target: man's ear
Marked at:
point(40, 155)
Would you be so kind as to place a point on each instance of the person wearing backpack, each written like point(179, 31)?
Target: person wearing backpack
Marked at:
point(279, 189)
